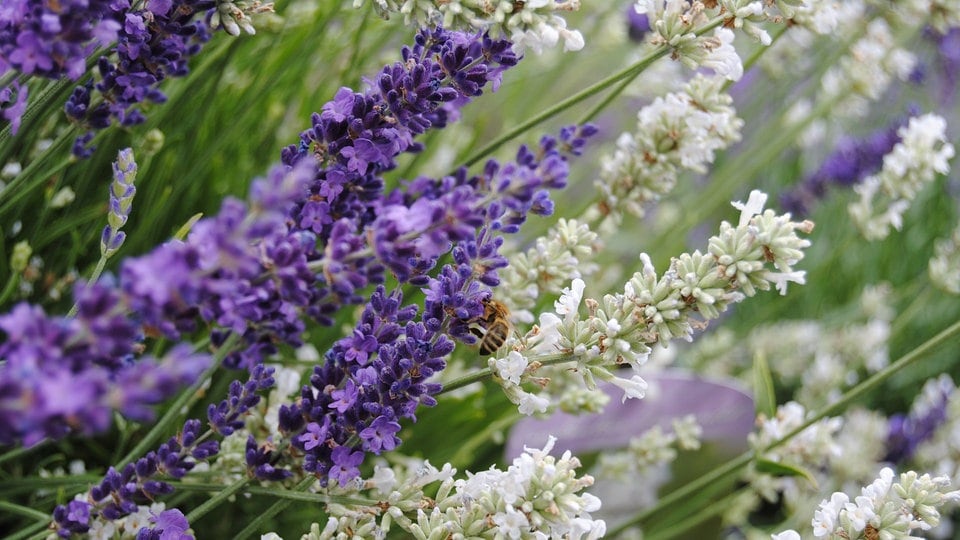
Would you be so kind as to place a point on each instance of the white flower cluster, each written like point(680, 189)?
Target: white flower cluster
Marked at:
point(675, 23)
point(533, 24)
point(944, 267)
point(537, 497)
point(812, 448)
point(757, 253)
point(652, 449)
point(558, 257)
point(884, 509)
point(922, 153)
point(678, 131)
point(235, 16)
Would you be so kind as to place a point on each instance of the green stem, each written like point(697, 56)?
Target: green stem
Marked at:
point(625, 74)
point(688, 522)
point(486, 373)
point(733, 466)
point(24, 511)
point(278, 493)
point(94, 276)
point(30, 176)
point(217, 499)
point(273, 510)
point(6, 294)
point(875, 380)
point(36, 531)
point(17, 452)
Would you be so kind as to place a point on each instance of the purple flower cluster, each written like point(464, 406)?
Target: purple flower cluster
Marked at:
point(851, 161)
point(358, 136)
point(152, 43)
point(379, 374)
point(51, 39)
point(120, 492)
point(243, 270)
point(253, 271)
point(67, 375)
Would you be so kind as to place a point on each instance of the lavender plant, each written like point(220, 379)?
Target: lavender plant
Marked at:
point(475, 218)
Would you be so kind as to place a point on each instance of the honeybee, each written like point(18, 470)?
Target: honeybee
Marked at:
point(493, 327)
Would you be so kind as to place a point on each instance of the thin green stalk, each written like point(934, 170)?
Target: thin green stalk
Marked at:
point(273, 510)
point(8, 290)
point(625, 74)
point(216, 500)
point(17, 452)
point(278, 493)
point(28, 179)
point(948, 335)
point(550, 112)
point(711, 511)
point(37, 530)
point(485, 373)
point(24, 511)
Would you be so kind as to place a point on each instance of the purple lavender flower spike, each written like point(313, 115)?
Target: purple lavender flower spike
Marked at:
point(378, 375)
point(120, 492)
point(851, 161)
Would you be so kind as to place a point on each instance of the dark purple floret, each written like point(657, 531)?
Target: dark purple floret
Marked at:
point(908, 431)
point(261, 459)
point(638, 24)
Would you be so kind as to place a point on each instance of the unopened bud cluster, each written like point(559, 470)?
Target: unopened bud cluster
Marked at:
point(922, 153)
